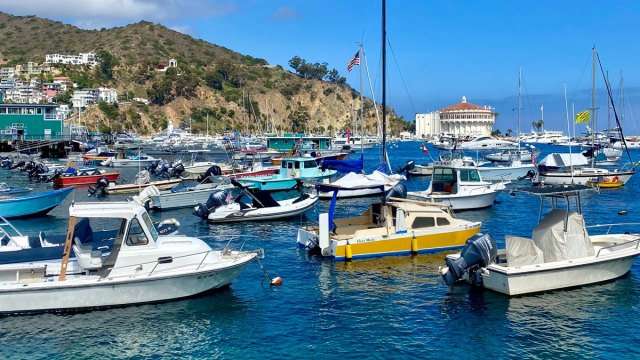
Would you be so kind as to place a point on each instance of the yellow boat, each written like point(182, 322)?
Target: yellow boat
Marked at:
point(605, 182)
point(394, 227)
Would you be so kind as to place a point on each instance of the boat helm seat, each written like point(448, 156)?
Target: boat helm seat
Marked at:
point(87, 258)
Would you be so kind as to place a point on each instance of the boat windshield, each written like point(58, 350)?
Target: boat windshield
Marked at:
point(149, 224)
point(469, 175)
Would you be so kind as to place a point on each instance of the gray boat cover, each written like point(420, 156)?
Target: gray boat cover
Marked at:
point(522, 251)
point(556, 245)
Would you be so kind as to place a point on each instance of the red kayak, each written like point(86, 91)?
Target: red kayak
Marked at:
point(64, 181)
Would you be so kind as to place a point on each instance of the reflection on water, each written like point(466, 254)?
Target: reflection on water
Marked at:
point(392, 307)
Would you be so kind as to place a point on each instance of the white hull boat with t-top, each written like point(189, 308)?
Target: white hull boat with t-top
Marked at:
point(560, 254)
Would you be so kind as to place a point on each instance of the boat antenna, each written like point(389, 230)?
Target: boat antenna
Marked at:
point(613, 106)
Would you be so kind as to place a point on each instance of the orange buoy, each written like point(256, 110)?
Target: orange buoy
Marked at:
point(276, 281)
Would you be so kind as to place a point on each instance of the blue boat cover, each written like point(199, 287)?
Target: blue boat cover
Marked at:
point(344, 166)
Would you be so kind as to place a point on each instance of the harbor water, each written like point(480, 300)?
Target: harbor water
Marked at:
point(391, 307)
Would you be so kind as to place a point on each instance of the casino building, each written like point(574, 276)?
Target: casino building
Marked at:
point(463, 119)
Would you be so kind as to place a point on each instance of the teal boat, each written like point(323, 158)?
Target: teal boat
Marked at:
point(291, 170)
point(32, 205)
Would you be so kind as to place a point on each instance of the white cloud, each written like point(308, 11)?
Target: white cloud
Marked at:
point(92, 14)
point(286, 13)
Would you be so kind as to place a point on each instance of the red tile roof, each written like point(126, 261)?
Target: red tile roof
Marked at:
point(463, 105)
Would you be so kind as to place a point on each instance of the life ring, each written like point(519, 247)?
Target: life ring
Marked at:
point(294, 173)
point(615, 179)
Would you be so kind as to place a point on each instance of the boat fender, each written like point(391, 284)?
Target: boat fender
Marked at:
point(348, 252)
point(414, 244)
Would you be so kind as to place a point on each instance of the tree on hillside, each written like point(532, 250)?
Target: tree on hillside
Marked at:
point(306, 70)
point(107, 63)
point(334, 77)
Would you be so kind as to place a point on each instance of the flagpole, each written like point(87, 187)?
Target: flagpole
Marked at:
point(566, 109)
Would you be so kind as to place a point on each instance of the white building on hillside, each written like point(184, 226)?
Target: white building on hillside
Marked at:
point(462, 119)
point(81, 59)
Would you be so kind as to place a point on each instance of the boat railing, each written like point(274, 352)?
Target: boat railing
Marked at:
point(170, 259)
point(636, 240)
point(610, 226)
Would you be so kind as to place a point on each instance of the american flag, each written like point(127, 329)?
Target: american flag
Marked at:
point(354, 61)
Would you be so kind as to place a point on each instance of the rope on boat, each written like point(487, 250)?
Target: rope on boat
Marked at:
point(276, 281)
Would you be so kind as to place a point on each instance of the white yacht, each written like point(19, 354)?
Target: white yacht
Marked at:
point(487, 143)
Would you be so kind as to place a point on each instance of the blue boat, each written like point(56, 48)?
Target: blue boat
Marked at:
point(32, 205)
point(291, 170)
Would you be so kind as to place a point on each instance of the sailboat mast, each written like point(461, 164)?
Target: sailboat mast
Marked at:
point(384, 82)
point(593, 106)
point(519, 101)
point(361, 117)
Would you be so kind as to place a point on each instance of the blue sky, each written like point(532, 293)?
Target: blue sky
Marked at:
point(439, 51)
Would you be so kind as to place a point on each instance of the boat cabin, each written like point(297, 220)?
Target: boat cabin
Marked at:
point(296, 167)
point(135, 232)
point(446, 179)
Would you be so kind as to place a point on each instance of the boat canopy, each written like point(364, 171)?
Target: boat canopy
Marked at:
point(343, 166)
point(563, 160)
point(561, 235)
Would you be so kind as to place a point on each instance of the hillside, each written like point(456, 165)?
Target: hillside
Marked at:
point(233, 89)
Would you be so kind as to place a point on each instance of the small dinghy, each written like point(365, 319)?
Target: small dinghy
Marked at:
point(222, 207)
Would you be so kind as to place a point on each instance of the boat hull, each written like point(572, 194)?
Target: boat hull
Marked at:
point(262, 214)
point(565, 274)
point(133, 188)
point(108, 292)
point(565, 178)
point(64, 181)
point(465, 202)
point(501, 173)
point(31, 205)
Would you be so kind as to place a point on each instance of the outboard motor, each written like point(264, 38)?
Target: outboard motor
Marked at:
point(404, 169)
point(38, 170)
point(163, 170)
point(56, 174)
point(99, 188)
point(176, 171)
point(479, 251)
point(398, 191)
point(152, 167)
point(214, 170)
point(216, 199)
point(20, 164)
point(7, 163)
point(530, 175)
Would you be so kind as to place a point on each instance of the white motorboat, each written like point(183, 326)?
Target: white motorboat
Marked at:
point(422, 170)
point(460, 186)
point(566, 169)
point(560, 253)
point(487, 143)
point(140, 160)
point(358, 185)
point(223, 207)
point(511, 171)
point(181, 196)
point(524, 155)
point(141, 267)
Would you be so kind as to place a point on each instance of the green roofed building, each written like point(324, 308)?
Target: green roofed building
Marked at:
point(30, 122)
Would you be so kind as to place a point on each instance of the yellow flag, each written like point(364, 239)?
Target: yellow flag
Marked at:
point(582, 117)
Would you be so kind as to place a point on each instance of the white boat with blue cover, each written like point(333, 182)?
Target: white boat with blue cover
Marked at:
point(141, 267)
